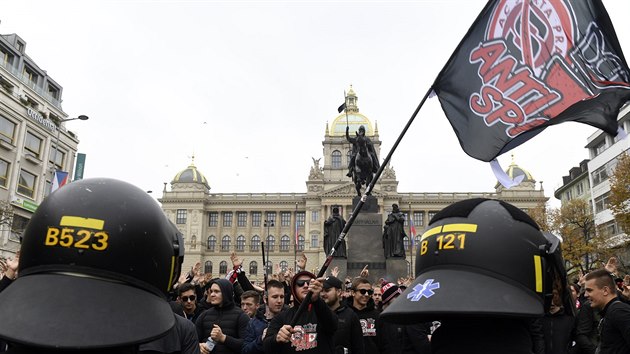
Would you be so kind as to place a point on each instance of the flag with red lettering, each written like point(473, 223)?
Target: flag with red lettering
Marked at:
point(59, 180)
point(525, 65)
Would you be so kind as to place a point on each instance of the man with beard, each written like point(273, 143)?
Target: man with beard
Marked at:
point(315, 327)
point(257, 327)
point(349, 337)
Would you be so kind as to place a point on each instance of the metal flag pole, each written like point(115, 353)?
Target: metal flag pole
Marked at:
point(357, 209)
point(296, 237)
point(262, 247)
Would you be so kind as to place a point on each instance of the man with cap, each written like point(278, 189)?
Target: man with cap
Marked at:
point(314, 328)
point(104, 255)
point(348, 337)
point(399, 339)
point(362, 304)
point(225, 323)
point(484, 270)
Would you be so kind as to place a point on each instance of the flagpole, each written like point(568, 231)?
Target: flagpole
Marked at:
point(345, 103)
point(412, 236)
point(296, 237)
point(357, 209)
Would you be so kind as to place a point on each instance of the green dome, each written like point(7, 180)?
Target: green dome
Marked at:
point(190, 175)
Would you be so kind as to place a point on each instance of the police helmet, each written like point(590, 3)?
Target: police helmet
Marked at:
point(96, 262)
point(477, 258)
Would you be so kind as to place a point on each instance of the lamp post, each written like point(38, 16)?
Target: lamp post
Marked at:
point(268, 224)
point(81, 117)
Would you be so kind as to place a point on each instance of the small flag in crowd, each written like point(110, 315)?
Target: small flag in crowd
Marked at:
point(526, 65)
point(60, 179)
point(412, 232)
point(341, 108)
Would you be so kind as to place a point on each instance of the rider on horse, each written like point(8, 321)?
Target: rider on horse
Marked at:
point(355, 150)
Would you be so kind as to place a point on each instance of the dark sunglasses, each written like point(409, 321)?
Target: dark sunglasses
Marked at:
point(187, 298)
point(300, 283)
point(366, 291)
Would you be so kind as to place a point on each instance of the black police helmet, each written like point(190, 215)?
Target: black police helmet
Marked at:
point(478, 257)
point(96, 261)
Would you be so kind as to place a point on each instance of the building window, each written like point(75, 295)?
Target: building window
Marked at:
point(213, 218)
point(256, 218)
point(418, 218)
point(284, 243)
point(271, 217)
point(57, 157)
point(315, 216)
point(430, 215)
point(284, 266)
point(601, 202)
point(600, 147)
point(31, 76)
point(569, 195)
point(26, 184)
point(599, 175)
point(299, 218)
point(181, 216)
point(314, 241)
point(207, 267)
point(7, 130)
point(300, 245)
point(212, 243)
point(269, 267)
point(241, 219)
point(336, 159)
point(610, 228)
point(255, 245)
point(227, 218)
point(4, 173)
point(225, 243)
point(223, 267)
point(417, 242)
point(240, 243)
point(271, 243)
point(580, 187)
point(406, 243)
point(253, 268)
point(33, 144)
point(285, 218)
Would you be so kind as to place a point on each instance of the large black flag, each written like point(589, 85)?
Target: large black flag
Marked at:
point(525, 65)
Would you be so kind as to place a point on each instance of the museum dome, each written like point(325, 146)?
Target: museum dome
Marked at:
point(190, 175)
point(515, 170)
point(354, 119)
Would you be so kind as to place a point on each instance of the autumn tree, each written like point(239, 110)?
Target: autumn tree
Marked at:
point(581, 247)
point(619, 199)
point(540, 216)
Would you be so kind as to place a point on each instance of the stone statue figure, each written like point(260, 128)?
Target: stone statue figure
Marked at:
point(332, 228)
point(355, 150)
point(394, 233)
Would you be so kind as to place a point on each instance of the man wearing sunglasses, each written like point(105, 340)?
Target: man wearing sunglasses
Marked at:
point(187, 298)
point(363, 304)
point(315, 328)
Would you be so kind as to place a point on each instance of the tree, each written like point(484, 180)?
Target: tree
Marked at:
point(619, 199)
point(581, 247)
point(541, 216)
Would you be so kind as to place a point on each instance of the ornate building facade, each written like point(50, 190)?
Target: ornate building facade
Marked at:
point(216, 224)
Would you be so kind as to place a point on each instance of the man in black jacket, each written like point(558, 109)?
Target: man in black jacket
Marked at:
point(224, 323)
point(349, 337)
point(315, 328)
point(614, 327)
point(363, 305)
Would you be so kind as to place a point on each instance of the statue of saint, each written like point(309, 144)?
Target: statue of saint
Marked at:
point(332, 228)
point(394, 233)
point(355, 150)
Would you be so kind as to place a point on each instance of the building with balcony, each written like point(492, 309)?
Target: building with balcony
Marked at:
point(33, 140)
point(216, 224)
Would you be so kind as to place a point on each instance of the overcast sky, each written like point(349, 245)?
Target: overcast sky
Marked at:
point(248, 86)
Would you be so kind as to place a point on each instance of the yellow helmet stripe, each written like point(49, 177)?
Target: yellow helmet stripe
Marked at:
point(449, 228)
point(77, 221)
point(538, 273)
point(170, 279)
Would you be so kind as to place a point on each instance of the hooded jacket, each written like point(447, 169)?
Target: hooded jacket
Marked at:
point(368, 317)
point(232, 320)
point(315, 327)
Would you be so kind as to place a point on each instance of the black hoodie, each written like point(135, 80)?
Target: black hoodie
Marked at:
point(369, 318)
point(232, 320)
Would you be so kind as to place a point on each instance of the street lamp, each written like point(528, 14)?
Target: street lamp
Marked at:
point(268, 224)
point(81, 117)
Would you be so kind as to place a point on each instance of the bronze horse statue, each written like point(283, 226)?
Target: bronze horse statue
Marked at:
point(363, 173)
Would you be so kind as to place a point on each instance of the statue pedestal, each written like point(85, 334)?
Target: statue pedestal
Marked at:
point(364, 240)
point(396, 268)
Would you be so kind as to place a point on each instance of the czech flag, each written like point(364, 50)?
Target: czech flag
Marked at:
point(60, 179)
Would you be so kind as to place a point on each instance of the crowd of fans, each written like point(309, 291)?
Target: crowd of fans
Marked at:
point(235, 315)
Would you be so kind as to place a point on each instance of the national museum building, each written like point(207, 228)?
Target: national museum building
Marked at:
point(216, 224)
